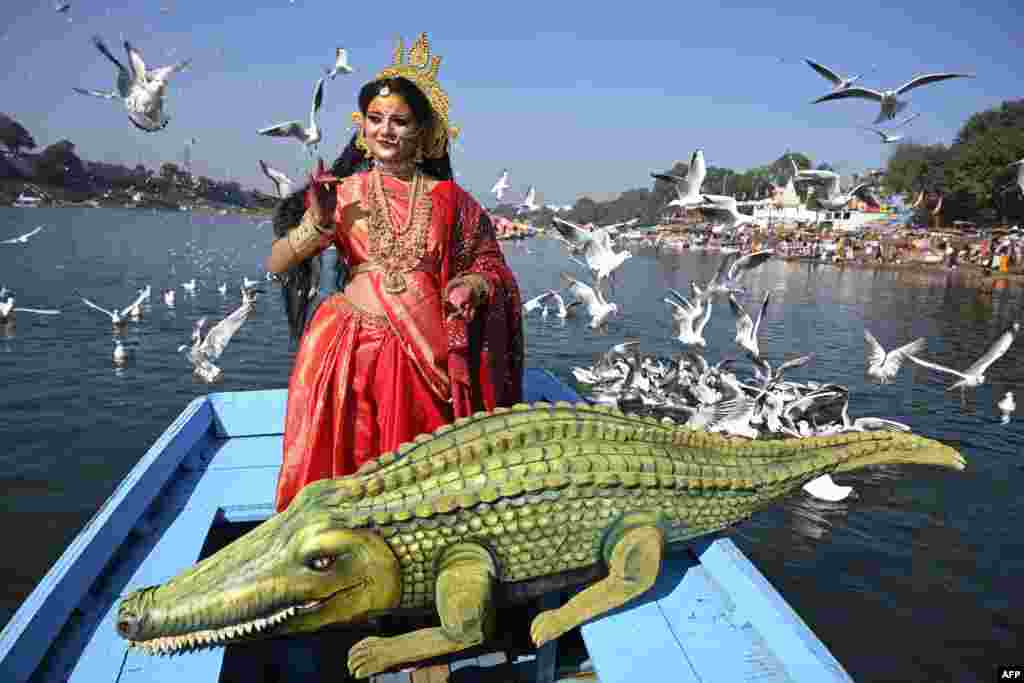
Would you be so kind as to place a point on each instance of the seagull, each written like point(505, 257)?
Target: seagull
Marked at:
point(282, 183)
point(249, 284)
point(190, 286)
point(1007, 406)
point(886, 137)
point(499, 187)
point(146, 293)
point(688, 188)
point(888, 99)
point(747, 329)
point(116, 316)
point(726, 280)
point(975, 375)
point(598, 308)
point(685, 316)
point(533, 304)
point(7, 311)
point(823, 488)
point(529, 203)
point(836, 199)
point(341, 65)
point(23, 239)
point(223, 288)
point(596, 247)
point(168, 297)
point(202, 354)
point(725, 207)
point(141, 90)
point(882, 366)
point(309, 136)
point(563, 311)
point(62, 7)
point(838, 82)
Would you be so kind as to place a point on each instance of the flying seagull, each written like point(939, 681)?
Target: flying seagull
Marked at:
point(598, 308)
point(141, 90)
point(975, 375)
point(746, 328)
point(23, 239)
point(889, 100)
point(202, 354)
point(529, 202)
point(341, 65)
point(888, 138)
point(117, 317)
point(837, 81)
point(7, 310)
point(499, 187)
point(308, 135)
point(688, 187)
point(596, 247)
point(726, 280)
point(282, 183)
point(883, 366)
point(1007, 406)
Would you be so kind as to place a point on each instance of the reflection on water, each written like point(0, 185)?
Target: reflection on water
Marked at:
point(913, 576)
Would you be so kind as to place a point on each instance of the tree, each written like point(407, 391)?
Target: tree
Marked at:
point(914, 167)
point(14, 136)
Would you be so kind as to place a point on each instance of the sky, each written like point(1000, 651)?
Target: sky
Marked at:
point(574, 98)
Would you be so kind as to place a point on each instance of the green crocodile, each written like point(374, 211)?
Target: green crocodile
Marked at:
point(483, 509)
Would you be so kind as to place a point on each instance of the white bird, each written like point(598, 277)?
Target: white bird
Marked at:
point(7, 310)
point(890, 104)
point(688, 323)
point(561, 310)
point(202, 354)
point(688, 188)
point(591, 297)
point(189, 286)
point(168, 297)
point(725, 208)
point(837, 81)
point(310, 135)
point(23, 239)
point(249, 284)
point(888, 138)
point(975, 375)
point(282, 183)
point(823, 488)
point(501, 186)
point(883, 366)
point(223, 288)
point(1007, 406)
point(734, 410)
point(120, 353)
point(529, 202)
point(341, 65)
point(533, 304)
point(596, 247)
point(730, 270)
point(747, 329)
point(836, 199)
point(141, 90)
point(116, 316)
point(146, 293)
point(62, 7)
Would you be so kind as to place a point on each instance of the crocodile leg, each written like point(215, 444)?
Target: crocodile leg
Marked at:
point(464, 585)
point(633, 567)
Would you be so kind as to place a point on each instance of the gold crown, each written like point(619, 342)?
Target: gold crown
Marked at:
point(420, 67)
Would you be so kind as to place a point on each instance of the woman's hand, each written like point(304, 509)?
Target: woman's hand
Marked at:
point(460, 301)
point(319, 194)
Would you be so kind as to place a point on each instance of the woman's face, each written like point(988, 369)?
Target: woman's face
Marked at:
point(391, 132)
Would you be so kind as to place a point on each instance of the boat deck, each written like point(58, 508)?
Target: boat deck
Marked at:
point(711, 616)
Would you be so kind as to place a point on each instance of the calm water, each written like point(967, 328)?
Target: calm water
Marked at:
point(911, 580)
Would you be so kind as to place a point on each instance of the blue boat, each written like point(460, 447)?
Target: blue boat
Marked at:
point(712, 616)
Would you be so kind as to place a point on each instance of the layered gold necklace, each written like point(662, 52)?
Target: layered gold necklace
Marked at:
point(396, 250)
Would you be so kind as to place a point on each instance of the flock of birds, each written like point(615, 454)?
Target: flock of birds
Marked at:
point(202, 352)
point(764, 404)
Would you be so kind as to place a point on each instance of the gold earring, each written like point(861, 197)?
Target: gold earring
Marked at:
point(362, 146)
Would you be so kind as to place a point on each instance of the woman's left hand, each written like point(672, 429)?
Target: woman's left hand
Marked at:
point(460, 300)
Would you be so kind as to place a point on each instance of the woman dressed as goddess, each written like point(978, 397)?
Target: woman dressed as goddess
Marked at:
point(428, 325)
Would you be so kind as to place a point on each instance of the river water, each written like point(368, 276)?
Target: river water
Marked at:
point(911, 579)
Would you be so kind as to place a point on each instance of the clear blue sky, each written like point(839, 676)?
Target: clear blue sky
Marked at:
point(576, 98)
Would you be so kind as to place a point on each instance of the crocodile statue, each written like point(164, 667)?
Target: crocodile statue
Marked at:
point(483, 509)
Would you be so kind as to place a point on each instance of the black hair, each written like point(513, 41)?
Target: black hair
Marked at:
point(302, 277)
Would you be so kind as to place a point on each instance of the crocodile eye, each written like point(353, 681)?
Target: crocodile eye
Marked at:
point(321, 562)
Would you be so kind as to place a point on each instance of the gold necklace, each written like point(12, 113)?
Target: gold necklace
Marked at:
point(396, 251)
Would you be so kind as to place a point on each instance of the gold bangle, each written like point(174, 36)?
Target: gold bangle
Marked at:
point(303, 235)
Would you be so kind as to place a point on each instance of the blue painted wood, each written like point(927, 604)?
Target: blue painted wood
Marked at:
point(805, 657)
point(543, 385)
point(38, 621)
point(253, 451)
point(635, 643)
point(249, 413)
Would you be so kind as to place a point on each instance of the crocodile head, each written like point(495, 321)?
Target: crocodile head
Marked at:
point(300, 570)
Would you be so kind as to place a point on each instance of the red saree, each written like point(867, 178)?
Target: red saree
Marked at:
point(364, 383)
